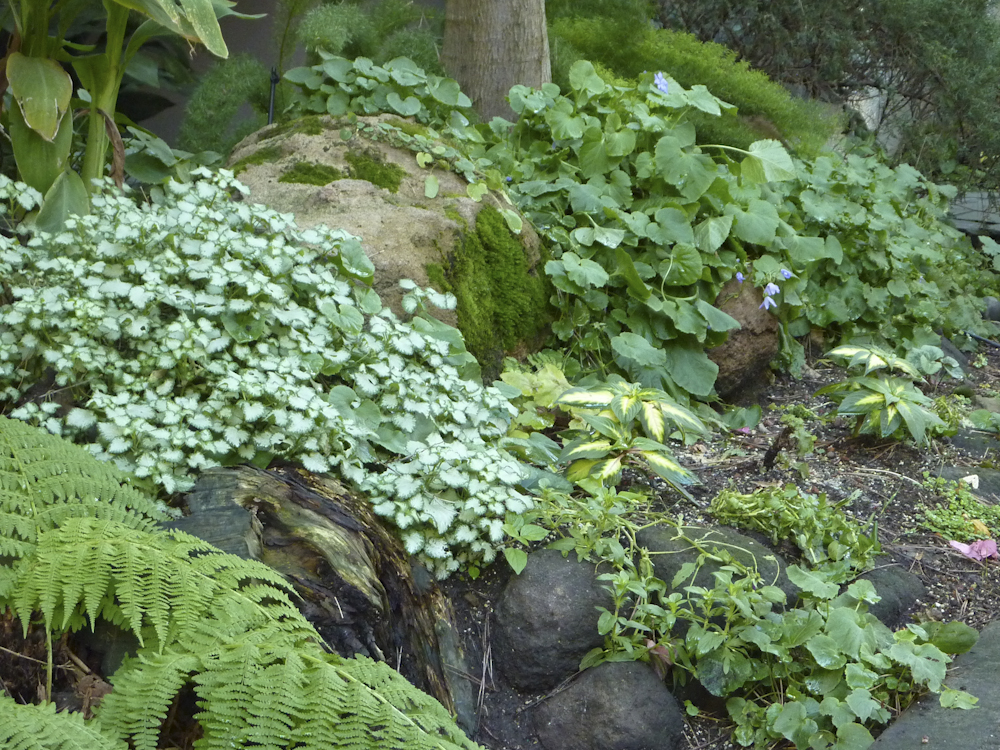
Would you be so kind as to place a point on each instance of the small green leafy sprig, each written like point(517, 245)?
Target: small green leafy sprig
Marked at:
point(822, 531)
point(195, 331)
point(610, 417)
point(338, 86)
point(883, 405)
point(957, 513)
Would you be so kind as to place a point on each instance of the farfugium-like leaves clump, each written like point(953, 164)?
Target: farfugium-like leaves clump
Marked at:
point(195, 331)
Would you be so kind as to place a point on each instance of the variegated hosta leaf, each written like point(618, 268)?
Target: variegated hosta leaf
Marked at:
point(668, 468)
point(626, 407)
point(861, 402)
point(686, 420)
point(609, 470)
point(889, 420)
point(583, 398)
point(580, 470)
point(874, 358)
point(651, 418)
point(605, 425)
point(918, 419)
point(585, 447)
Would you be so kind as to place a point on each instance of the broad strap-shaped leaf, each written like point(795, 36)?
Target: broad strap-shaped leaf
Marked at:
point(195, 20)
point(651, 418)
point(585, 447)
point(669, 470)
point(585, 398)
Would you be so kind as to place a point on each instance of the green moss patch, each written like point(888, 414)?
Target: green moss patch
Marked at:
point(263, 156)
point(310, 173)
point(371, 167)
point(309, 125)
point(501, 303)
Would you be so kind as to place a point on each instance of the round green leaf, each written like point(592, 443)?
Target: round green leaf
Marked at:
point(682, 267)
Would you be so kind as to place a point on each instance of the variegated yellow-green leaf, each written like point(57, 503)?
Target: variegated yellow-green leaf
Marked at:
point(667, 468)
point(580, 470)
point(652, 420)
point(684, 419)
point(585, 399)
point(861, 402)
point(585, 448)
point(625, 407)
point(608, 470)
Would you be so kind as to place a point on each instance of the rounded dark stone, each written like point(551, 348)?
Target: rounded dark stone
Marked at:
point(614, 706)
point(546, 621)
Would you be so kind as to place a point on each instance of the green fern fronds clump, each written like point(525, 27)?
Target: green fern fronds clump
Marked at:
point(44, 481)
point(226, 625)
point(195, 331)
point(41, 728)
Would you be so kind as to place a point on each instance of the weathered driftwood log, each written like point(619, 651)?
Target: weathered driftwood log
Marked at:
point(357, 584)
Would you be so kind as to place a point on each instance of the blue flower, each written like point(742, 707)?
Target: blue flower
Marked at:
point(786, 273)
point(771, 289)
point(660, 81)
point(511, 179)
point(740, 277)
point(768, 303)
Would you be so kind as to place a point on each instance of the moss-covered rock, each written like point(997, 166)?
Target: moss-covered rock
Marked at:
point(328, 171)
point(308, 173)
point(502, 301)
point(368, 165)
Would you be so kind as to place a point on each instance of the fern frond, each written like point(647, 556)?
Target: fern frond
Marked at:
point(41, 728)
point(144, 688)
point(45, 479)
point(171, 582)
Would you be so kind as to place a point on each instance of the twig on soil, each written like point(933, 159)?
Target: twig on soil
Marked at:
point(555, 691)
point(863, 469)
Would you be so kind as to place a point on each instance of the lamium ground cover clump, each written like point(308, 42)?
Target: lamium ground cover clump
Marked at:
point(195, 331)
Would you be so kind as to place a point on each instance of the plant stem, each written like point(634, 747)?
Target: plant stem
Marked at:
point(106, 99)
point(48, 664)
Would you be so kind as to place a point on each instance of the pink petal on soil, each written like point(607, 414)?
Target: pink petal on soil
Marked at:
point(978, 550)
point(985, 548)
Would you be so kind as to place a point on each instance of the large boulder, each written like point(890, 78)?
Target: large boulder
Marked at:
point(744, 358)
point(415, 222)
point(546, 621)
point(615, 706)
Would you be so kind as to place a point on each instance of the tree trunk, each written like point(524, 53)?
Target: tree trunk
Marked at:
point(491, 45)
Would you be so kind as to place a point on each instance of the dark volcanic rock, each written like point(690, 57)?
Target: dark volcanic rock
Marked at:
point(926, 724)
point(899, 588)
point(745, 550)
point(546, 621)
point(614, 706)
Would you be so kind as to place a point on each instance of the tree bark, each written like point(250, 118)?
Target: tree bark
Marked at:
point(491, 45)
